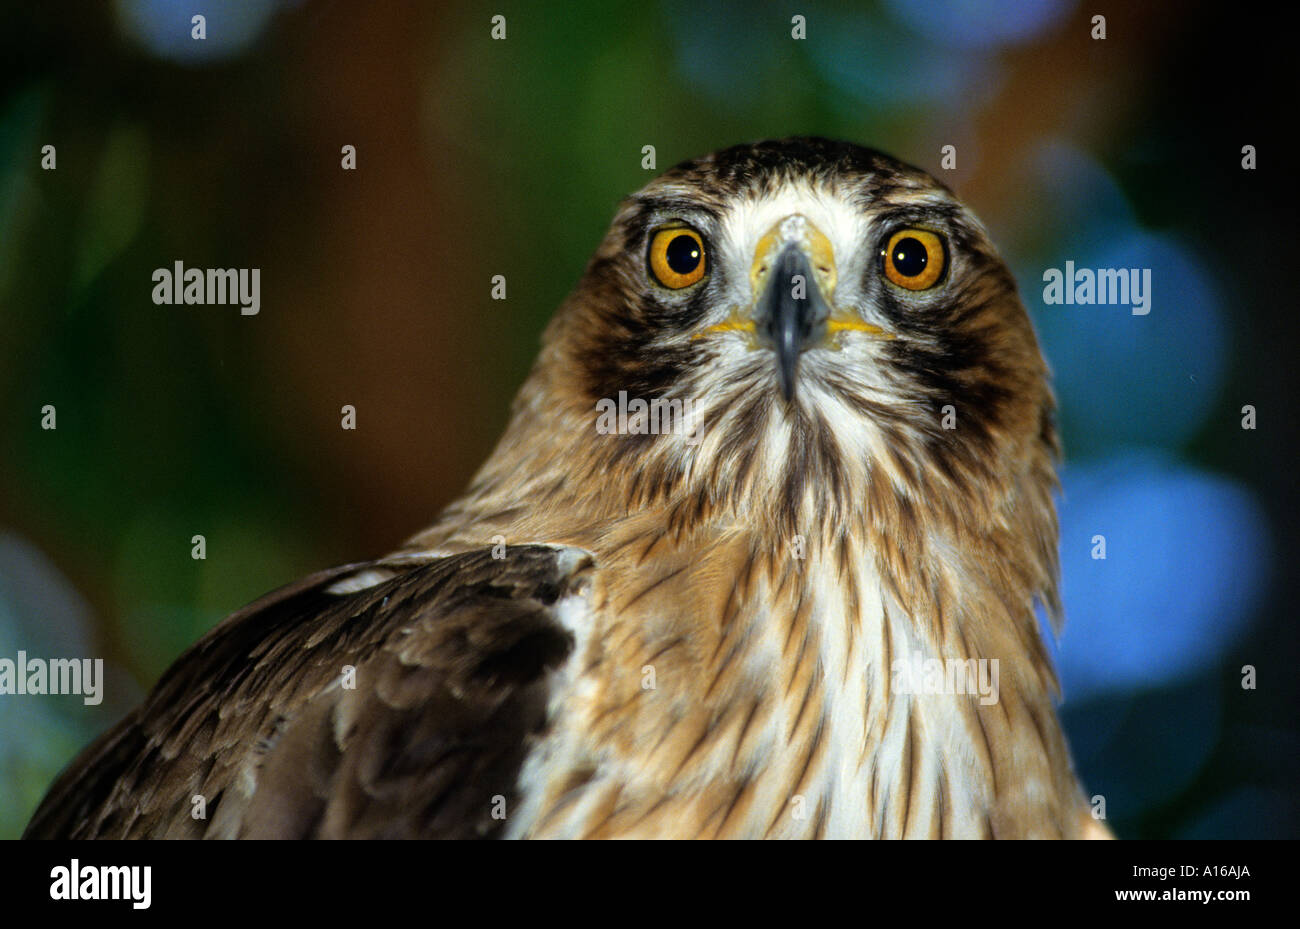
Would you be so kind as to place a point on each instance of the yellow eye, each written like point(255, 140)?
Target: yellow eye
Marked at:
point(677, 257)
point(913, 258)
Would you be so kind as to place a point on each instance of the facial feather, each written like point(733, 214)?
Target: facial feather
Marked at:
point(913, 464)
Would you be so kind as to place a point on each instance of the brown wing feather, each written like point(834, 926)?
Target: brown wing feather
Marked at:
point(451, 656)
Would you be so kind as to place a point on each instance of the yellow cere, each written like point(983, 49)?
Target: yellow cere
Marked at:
point(799, 230)
point(803, 232)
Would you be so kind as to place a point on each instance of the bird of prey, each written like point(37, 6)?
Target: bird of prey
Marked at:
point(631, 625)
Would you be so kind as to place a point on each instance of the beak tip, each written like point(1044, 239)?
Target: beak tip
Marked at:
point(786, 377)
point(790, 318)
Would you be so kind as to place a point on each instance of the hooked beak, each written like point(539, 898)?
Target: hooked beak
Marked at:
point(791, 313)
point(793, 280)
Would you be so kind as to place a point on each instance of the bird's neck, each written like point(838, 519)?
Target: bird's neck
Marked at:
point(796, 649)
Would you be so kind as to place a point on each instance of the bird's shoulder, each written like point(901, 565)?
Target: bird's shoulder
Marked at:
point(394, 698)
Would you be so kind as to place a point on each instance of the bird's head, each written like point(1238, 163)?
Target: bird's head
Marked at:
point(844, 330)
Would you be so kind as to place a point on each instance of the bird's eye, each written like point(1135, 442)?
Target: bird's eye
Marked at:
point(913, 259)
point(677, 257)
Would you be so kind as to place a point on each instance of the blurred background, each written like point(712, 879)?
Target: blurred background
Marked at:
point(478, 157)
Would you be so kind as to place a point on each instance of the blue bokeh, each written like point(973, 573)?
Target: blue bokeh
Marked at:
point(1187, 558)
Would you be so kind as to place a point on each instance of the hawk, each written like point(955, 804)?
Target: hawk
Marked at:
point(635, 626)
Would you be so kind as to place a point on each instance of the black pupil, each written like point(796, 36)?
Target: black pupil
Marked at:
point(910, 257)
point(683, 254)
